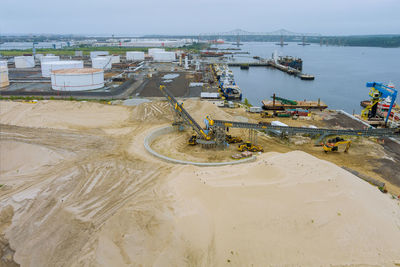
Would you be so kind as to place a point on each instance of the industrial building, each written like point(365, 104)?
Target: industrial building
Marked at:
point(151, 51)
point(144, 42)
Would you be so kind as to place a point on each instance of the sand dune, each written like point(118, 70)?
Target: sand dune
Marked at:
point(79, 189)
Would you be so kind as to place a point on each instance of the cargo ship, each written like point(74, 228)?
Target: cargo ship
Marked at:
point(211, 54)
point(218, 41)
point(226, 82)
point(295, 63)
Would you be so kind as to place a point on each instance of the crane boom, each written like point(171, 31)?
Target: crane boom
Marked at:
point(183, 113)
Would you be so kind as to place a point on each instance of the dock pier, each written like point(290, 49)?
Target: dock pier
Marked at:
point(250, 64)
point(271, 63)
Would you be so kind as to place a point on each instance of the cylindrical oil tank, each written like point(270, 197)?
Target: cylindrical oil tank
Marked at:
point(102, 62)
point(4, 76)
point(4, 63)
point(49, 59)
point(94, 54)
point(164, 56)
point(48, 67)
point(115, 59)
point(77, 79)
point(151, 51)
point(134, 56)
point(24, 62)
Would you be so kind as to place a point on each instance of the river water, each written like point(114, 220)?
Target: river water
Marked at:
point(340, 73)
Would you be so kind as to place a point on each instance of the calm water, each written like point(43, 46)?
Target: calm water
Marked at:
point(340, 73)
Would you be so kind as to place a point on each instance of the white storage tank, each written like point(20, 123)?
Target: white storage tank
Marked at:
point(24, 62)
point(4, 77)
point(151, 51)
point(115, 59)
point(48, 58)
point(47, 67)
point(94, 54)
point(164, 56)
point(134, 56)
point(77, 79)
point(102, 62)
point(39, 56)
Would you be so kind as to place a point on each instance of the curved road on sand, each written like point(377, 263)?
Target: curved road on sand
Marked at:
point(168, 129)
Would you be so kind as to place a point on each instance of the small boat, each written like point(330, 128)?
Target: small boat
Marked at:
point(304, 76)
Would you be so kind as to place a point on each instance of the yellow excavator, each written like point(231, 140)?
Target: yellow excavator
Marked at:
point(248, 146)
point(333, 144)
point(266, 114)
point(193, 140)
point(233, 139)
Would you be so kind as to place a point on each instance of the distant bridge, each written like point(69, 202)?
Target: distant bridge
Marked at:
point(281, 32)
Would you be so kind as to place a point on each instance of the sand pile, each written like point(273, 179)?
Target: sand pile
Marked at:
point(158, 111)
point(62, 114)
point(21, 158)
point(200, 109)
point(86, 193)
point(284, 209)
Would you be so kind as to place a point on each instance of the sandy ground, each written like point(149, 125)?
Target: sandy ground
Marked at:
point(79, 189)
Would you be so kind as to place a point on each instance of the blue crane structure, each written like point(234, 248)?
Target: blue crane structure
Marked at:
point(378, 92)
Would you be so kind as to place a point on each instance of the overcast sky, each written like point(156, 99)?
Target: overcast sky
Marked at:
point(328, 17)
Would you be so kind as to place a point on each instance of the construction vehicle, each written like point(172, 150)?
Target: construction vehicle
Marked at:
point(248, 146)
point(193, 140)
point(233, 139)
point(378, 93)
point(333, 144)
point(265, 114)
